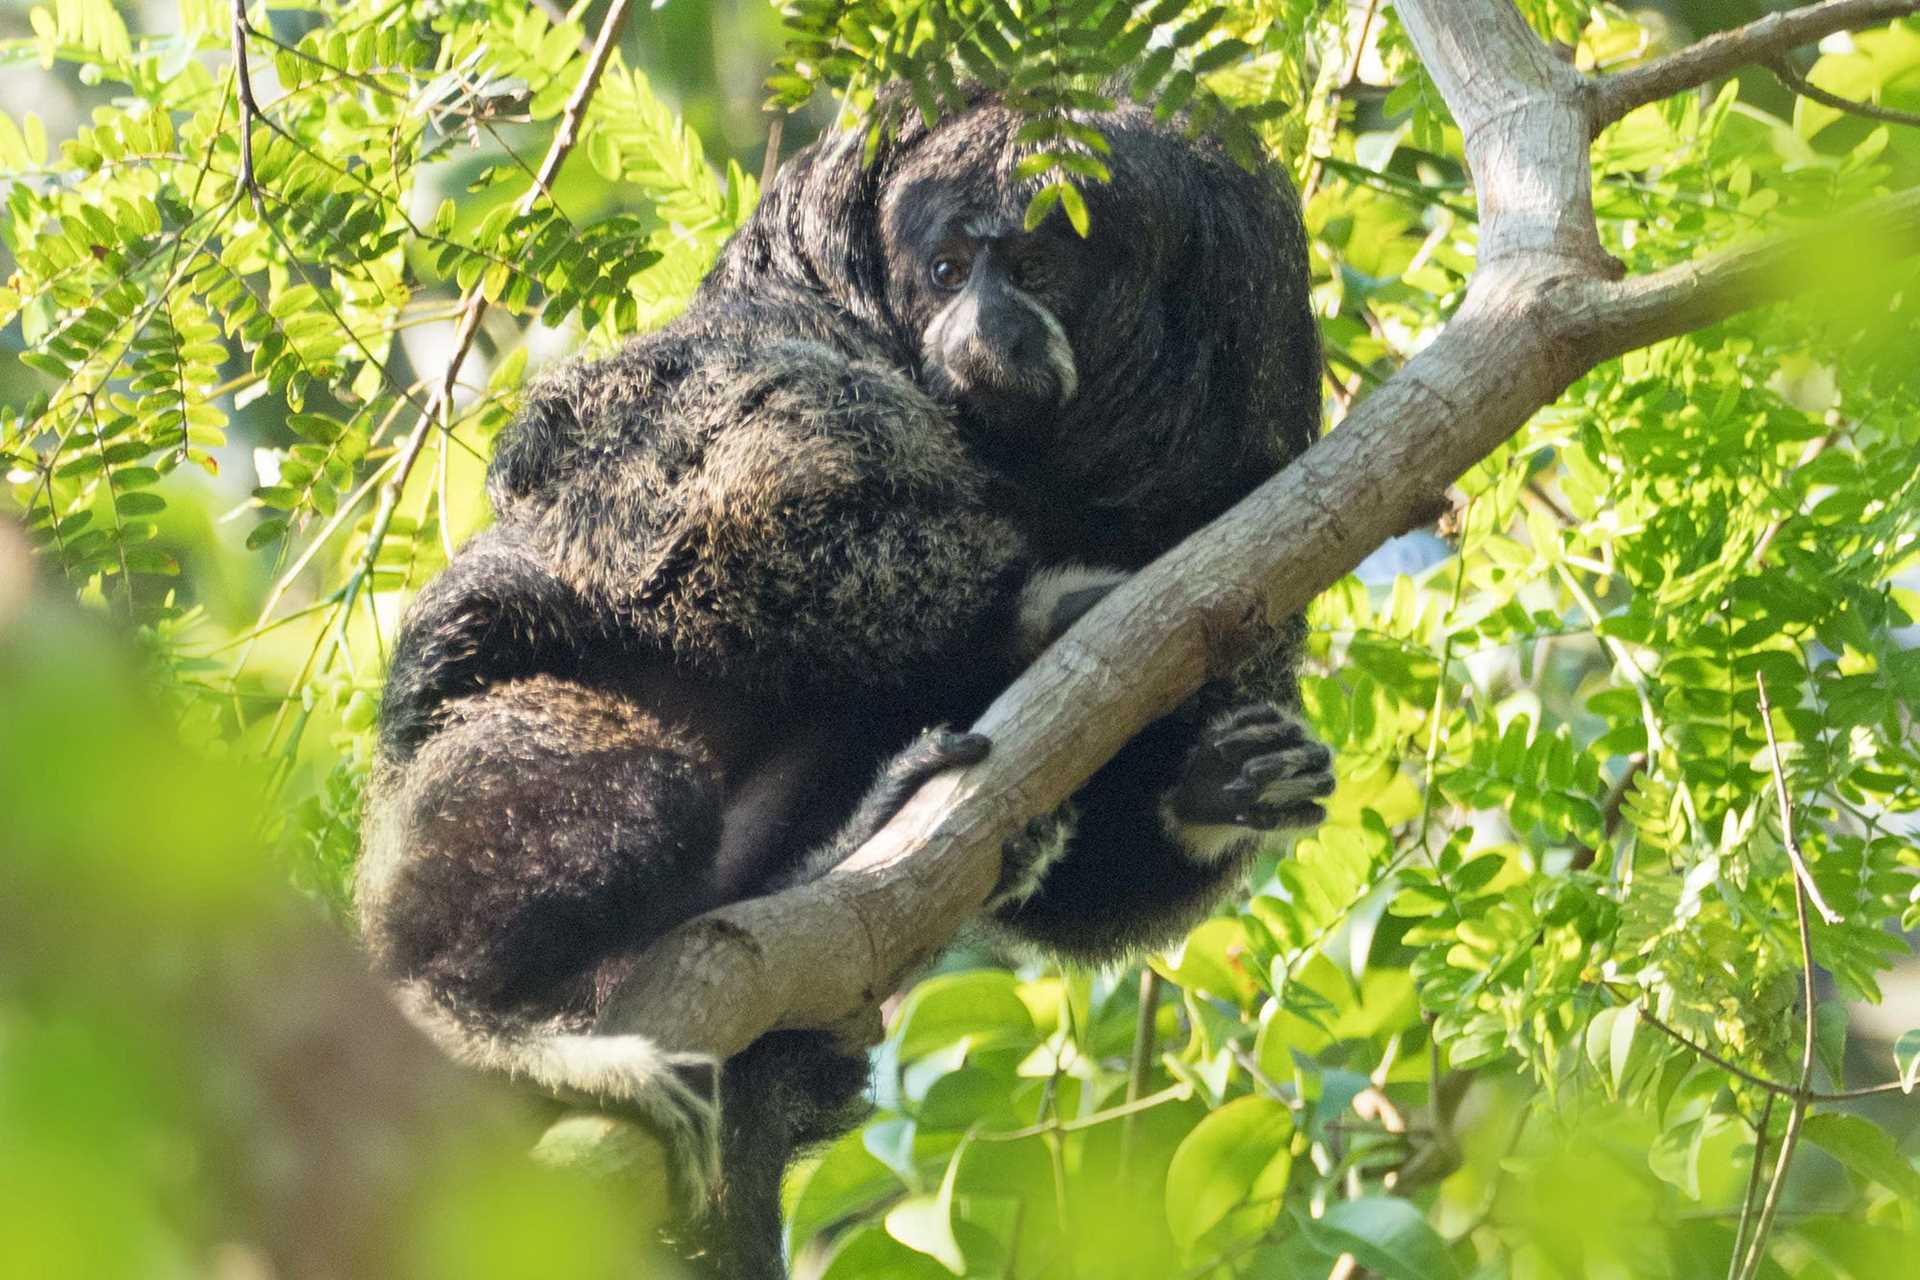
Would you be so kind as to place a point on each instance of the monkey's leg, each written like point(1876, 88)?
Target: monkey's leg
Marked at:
point(517, 862)
point(789, 1089)
point(935, 751)
point(497, 613)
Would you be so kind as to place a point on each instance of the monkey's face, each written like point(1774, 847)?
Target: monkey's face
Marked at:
point(992, 305)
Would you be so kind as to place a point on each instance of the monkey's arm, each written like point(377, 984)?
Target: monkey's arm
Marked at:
point(1167, 828)
point(782, 511)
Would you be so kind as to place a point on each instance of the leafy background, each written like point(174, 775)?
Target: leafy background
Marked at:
point(1519, 1009)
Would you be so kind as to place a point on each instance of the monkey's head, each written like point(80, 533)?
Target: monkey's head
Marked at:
point(988, 305)
point(1147, 375)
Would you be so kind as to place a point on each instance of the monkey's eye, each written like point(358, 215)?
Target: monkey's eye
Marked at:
point(948, 273)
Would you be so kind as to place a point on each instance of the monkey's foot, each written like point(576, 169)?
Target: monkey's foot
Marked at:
point(935, 751)
point(1255, 767)
point(1026, 855)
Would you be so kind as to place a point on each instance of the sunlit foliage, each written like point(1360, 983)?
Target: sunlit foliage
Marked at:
point(1525, 1003)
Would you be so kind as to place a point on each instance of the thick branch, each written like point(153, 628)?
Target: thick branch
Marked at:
point(1522, 114)
point(1685, 297)
point(1726, 52)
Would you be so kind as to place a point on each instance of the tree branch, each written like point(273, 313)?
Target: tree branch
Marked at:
point(1728, 51)
point(1543, 307)
point(1682, 298)
point(1790, 77)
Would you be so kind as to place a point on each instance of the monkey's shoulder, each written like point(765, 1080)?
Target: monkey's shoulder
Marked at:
point(737, 372)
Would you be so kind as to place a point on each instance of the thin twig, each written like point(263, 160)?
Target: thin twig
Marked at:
point(1172, 1093)
point(1139, 1065)
point(474, 306)
point(1610, 809)
point(1761, 1082)
point(1772, 531)
point(1728, 51)
point(564, 137)
point(1791, 77)
point(770, 163)
point(249, 106)
point(1319, 166)
point(1251, 1065)
point(1756, 1248)
point(1802, 876)
point(1752, 1197)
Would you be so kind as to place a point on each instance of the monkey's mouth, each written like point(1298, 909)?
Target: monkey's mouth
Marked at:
point(999, 417)
point(1002, 400)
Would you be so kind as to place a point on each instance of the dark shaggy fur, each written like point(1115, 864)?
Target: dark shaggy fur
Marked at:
point(748, 560)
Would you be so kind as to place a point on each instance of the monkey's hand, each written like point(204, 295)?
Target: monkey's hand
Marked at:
point(1254, 768)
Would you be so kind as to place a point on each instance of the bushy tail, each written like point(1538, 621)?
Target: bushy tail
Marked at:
point(786, 1091)
point(672, 1093)
point(728, 1153)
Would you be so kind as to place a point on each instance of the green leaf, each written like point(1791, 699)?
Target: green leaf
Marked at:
point(1906, 1060)
point(846, 1179)
point(1041, 205)
point(1389, 1237)
point(1076, 207)
point(1237, 1157)
point(925, 1223)
point(1209, 961)
point(982, 1009)
point(1217, 56)
point(1866, 1150)
point(42, 362)
point(265, 533)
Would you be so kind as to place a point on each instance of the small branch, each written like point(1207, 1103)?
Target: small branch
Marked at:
point(1803, 877)
point(1773, 1087)
point(1139, 1065)
point(770, 162)
point(1726, 52)
point(1773, 528)
point(1132, 1107)
point(1691, 295)
point(1756, 1249)
point(1251, 1065)
point(1731, 1068)
point(249, 106)
point(1813, 92)
point(1610, 809)
point(1318, 168)
point(1752, 1196)
point(439, 408)
point(474, 308)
